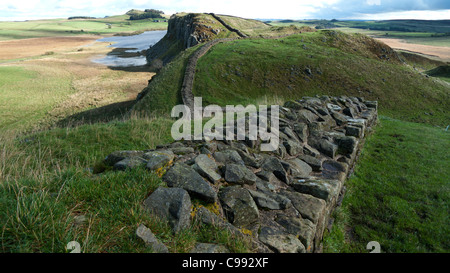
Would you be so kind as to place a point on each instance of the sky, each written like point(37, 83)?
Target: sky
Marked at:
point(259, 9)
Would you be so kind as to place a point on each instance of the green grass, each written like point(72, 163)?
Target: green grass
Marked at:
point(65, 27)
point(26, 95)
point(164, 89)
point(399, 193)
point(244, 71)
point(39, 216)
point(47, 181)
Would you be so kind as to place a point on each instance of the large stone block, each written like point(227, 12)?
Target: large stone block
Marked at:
point(171, 204)
point(185, 177)
point(239, 207)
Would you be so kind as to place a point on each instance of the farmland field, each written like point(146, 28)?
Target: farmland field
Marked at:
point(75, 27)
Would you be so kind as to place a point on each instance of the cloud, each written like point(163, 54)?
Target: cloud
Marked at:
point(410, 14)
point(354, 8)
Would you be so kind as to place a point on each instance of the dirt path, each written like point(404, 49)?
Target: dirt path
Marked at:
point(441, 52)
point(24, 48)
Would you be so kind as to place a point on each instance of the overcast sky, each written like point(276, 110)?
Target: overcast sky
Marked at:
point(262, 9)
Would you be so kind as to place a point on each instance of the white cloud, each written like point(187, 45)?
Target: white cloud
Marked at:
point(413, 14)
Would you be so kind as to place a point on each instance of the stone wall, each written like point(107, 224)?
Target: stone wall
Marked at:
point(189, 74)
point(282, 200)
point(230, 28)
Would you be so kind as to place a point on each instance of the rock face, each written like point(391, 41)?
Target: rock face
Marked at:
point(184, 30)
point(282, 199)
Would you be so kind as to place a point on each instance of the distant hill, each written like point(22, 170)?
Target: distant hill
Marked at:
point(430, 26)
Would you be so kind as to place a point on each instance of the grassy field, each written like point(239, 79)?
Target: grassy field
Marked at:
point(165, 87)
point(65, 27)
point(27, 95)
point(50, 192)
point(45, 88)
point(51, 76)
point(398, 194)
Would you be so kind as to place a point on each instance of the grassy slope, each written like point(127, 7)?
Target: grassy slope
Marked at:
point(247, 26)
point(164, 89)
point(420, 32)
point(398, 194)
point(241, 72)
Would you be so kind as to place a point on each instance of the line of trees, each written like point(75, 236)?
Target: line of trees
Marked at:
point(80, 17)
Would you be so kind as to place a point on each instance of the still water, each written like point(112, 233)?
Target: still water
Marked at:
point(130, 44)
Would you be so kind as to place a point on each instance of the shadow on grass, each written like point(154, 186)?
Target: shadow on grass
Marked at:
point(98, 115)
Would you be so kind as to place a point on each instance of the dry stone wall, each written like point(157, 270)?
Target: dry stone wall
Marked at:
point(230, 28)
point(189, 74)
point(282, 200)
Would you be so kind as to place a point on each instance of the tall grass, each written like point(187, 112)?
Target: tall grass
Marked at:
point(50, 196)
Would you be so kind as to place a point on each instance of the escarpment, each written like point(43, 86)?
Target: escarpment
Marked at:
point(184, 31)
point(282, 200)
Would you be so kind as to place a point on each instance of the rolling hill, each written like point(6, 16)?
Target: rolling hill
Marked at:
point(272, 65)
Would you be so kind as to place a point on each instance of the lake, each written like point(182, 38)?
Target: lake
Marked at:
point(127, 49)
